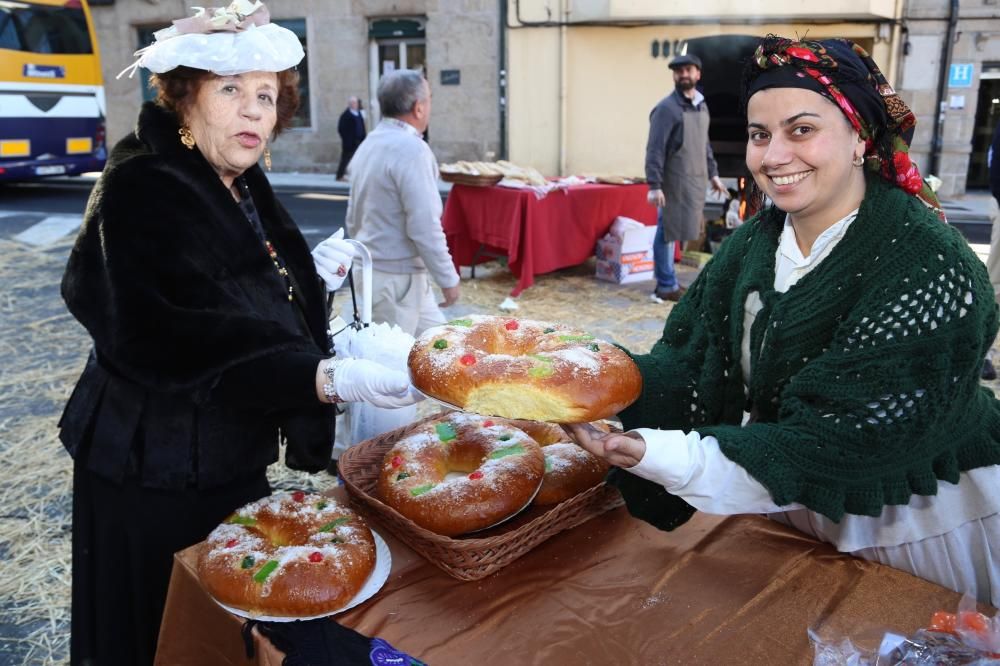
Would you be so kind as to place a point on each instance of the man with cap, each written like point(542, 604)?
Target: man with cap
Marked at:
point(679, 164)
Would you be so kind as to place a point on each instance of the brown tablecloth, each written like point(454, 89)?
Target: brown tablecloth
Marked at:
point(738, 590)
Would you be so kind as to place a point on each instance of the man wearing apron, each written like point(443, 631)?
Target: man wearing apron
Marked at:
point(679, 164)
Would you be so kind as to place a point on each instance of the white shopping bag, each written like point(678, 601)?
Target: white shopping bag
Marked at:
point(379, 342)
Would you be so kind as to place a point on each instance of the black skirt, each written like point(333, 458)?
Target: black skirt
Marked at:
point(124, 538)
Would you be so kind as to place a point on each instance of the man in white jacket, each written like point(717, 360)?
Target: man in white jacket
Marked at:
point(395, 209)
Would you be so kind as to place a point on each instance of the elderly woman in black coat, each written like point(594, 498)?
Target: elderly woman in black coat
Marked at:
point(207, 313)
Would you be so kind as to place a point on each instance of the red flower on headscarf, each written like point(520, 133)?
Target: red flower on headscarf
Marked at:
point(801, 53)
point(907, 175)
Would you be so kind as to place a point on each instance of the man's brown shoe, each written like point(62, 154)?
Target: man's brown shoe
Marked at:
point(672, 296)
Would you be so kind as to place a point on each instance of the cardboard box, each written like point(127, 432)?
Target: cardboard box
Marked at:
point(635, 245)
point(619, 273)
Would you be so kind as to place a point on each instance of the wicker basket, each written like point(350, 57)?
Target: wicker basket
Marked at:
point(474, 556)
point(468, 179)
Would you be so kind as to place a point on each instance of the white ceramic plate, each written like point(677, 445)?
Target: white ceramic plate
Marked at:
point(380, 574)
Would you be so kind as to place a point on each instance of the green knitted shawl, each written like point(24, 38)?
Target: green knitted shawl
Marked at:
point(865, 375)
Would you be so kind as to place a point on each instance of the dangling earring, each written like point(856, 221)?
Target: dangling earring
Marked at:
point(186, 138)
point(858, 161)
point(267, 158)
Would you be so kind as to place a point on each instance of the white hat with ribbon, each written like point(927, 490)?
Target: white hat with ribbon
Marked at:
point(232, 40)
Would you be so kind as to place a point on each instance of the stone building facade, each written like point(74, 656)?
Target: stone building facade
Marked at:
point(566, 86)
point(349, 43)
point(960, 39)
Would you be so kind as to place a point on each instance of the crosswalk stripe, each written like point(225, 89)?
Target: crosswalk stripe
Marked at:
point(51, 229)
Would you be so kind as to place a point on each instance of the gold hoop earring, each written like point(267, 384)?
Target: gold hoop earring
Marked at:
point(186, 138)
point(858, 161)
point(267, 158)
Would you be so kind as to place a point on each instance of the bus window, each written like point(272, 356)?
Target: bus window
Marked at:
point(44, 29)
point(52, 107)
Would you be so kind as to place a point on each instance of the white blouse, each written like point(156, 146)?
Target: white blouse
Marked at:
point(952, 538)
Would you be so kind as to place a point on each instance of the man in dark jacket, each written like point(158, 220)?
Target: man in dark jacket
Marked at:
point(993, 260)
point(351, 128)
point(679, 164)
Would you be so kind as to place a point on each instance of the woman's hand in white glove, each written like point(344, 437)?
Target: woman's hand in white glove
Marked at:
point(361, 380)
point(333, 259)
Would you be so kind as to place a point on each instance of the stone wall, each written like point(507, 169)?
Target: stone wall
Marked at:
point(977, 42)
point(460, 34)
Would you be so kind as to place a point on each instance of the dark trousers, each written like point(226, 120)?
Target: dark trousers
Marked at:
point(345, 159)
point(124, 538)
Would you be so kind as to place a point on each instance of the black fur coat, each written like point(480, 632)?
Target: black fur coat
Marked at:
point(200, 361)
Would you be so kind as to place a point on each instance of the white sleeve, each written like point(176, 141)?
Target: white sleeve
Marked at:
point(693, 468)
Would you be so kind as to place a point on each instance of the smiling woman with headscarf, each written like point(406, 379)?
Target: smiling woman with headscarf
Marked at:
point(824, 367)
point(207, 312)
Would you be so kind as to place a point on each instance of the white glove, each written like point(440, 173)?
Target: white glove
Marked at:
point(360, 380)
point(333, 259)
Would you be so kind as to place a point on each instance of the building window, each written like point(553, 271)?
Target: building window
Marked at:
point(303, 117)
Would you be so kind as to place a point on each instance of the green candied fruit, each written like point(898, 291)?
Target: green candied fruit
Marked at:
point(246, 562)
point(420, 490)
point(334, 523)
point(541, 371)
point(593, 347)
point(514, 450)
point(504, 438)
point(441, 344)
point(336, 540)
point(242, 520)
point(460, 322)
point(446, 432)
point(548, 464)
point(320, 506)
point(265, 571)
point(403, 475)
point(542, 359)
point(549, 330)
point(576, 338)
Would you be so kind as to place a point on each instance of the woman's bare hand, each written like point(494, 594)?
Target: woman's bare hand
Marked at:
point(617, 449)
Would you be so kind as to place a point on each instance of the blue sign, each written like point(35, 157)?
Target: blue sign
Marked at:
point(32, 71)
point(960, 75)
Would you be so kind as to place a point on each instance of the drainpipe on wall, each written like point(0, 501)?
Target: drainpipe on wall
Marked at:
point(502, 80)
point(563, 85)
point(937, 142)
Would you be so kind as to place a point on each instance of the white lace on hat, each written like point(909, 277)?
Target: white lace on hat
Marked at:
point(232, 40)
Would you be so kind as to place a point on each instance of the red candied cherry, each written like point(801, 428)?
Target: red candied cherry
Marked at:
point(298, 496)
point(468, 359)
point(512, 325)
point(488, 424)
point(476, 475)
point(396, 461)
point(230, 543)
point(316, 556)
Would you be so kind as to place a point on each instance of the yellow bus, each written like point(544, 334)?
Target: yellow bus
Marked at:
point(52, 106)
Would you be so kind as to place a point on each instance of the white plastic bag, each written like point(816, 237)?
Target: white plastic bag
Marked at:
point(379, 342)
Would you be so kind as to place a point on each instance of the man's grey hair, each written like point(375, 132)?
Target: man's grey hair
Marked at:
point(399, 90)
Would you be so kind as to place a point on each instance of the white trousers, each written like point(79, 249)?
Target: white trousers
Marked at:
point(406, 300)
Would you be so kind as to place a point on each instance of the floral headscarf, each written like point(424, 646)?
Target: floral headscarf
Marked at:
point(844, 73)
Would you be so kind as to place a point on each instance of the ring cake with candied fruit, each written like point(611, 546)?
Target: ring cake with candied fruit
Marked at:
point(289, 555)
point(523, 369)
point(461, 473)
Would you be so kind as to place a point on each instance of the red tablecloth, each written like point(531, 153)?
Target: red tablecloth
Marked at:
point(537, 235)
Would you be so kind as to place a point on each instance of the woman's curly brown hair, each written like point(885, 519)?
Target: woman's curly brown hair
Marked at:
point(176, 90)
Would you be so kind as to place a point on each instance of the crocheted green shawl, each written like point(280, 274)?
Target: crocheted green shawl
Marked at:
point(865, 374)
